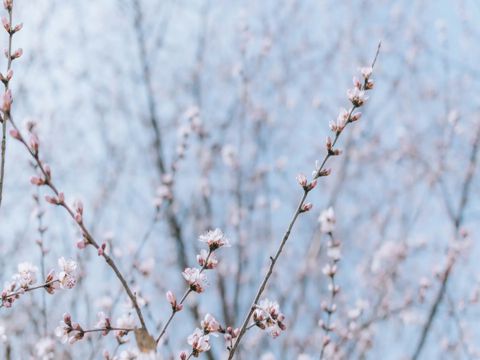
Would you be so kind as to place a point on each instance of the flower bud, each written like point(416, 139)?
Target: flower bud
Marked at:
point(306, 207)
point(14, 133)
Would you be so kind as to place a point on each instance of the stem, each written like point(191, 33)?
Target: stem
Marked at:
point(289, 229)
point(182, 300)
point(19, 292)
point(267, 276)
point(85, 232)
point(6, 114)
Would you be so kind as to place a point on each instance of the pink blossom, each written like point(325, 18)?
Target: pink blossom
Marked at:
point(7, 101)
point(215, 239)
point(357, 96)
point(66, 276)
point(103, 323)
point(212, 261)
point(195, 279)
point(306, 207)
point(27, 275)
point(14, 133)
point(199, 342)
point(126, 321)
point(17, 53)
point(173, 301)
point(210, 324)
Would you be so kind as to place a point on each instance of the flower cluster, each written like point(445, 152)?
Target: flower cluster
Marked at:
point(215, 239)
point(200, 339)
point(267, 315)
point(72, 332)
point(103, 323)
point(26, 277)
point(196, 279)
point(67, 276)
point(69, 331)
point(199, 342)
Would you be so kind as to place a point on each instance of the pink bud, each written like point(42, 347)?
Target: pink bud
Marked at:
point(183, 355)
point(9, 74)
point(18, 27)
point(7, 4)
point(356, 116)
point(328, 143)
point(14, 133)
point(81, 244)
point(7, 100)
point(51, 200)
point(79, 206)
point(6, 24)
point(47, 170)
point(302, 180)
point(312, 185)
point(17, 53)
point(101, 249)
point(67, 319)
point(79, 218)
point(306, 207)
point(171, 298)
point(36, 181)
point(61, 197)
point(34, 143)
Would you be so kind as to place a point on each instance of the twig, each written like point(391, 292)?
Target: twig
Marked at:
point(286, 236)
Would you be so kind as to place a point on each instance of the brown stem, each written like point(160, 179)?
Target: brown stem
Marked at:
point(85, 232)
point(182, 300)
point(6, 114)
point(287, 233)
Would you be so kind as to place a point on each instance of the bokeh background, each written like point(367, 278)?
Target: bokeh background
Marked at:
point(246, 89)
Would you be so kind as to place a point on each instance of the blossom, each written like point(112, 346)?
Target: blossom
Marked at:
point(267, 315)
point(306, 207)
point(302, 180)
point(210, 324)
point(7, 101)
point(342, 120)
point(230, 334)
point(319, 171)
point(69, 331)
point(51, 282)
point(7, 298)
point(357, 96)
point(195, 279)
point(366, 72)
point(215, 239)
point(173, 301)
point(126, 321)
point(66, 276)
point(199, 342)
point(327, 220)
point(78, 205)
point(103, 323)
point(26, 275)
point(329, 270)
point(206, 260)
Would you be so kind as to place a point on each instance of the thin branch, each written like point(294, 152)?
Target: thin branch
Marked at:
point(286, 236)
